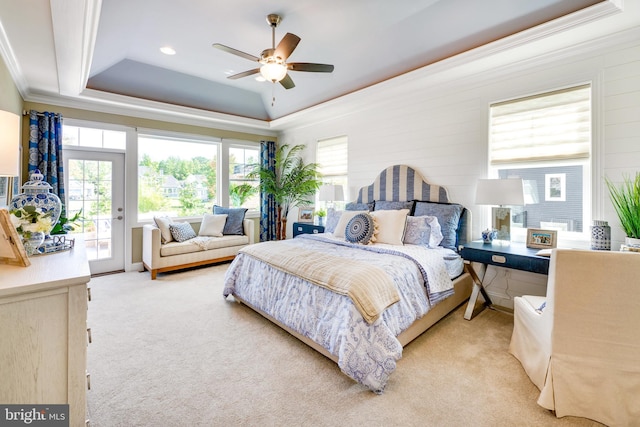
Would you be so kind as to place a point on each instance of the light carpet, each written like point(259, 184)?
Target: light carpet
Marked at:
point(173, 352)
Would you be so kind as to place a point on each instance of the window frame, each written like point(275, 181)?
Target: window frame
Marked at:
point(591, 173)
point(336, 178)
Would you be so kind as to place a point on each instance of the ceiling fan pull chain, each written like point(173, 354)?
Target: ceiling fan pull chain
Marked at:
point(273, 94)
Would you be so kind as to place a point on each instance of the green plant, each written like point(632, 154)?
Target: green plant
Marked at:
point(66, 225)
point(292, 182)
point(626, 202)
point(321, 213)
point(239, 193)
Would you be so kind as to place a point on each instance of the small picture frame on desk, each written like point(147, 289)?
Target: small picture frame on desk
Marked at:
point(541, 239)
point(305, 214)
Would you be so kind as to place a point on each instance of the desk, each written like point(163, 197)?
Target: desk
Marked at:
point(510, 255)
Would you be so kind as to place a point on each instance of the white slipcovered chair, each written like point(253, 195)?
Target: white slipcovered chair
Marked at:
point(580, 345)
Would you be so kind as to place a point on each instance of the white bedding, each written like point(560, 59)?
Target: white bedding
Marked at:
point(366, 352)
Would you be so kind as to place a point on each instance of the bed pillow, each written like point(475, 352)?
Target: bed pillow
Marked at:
point(333, 216)
point(391, 225)
point(163, 222)
point(181, 231)
point(235, 217)
point(423, 230)
point(448, 215)
point(345, 217)
point(384, 205)
point(354, 206)
point(212, 225)
point(360, 229)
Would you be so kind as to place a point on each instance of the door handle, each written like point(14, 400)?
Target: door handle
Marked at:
point(119, 217)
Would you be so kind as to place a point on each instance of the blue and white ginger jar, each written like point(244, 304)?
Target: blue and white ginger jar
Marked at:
point(37, 193)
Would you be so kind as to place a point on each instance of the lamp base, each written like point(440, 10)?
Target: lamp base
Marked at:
point(501, 221)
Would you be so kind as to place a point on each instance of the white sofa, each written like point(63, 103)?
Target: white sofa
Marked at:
point(582, 348)
point(158, 257)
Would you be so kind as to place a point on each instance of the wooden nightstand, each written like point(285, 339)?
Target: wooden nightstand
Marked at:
point(306, 228)
point(509, 255)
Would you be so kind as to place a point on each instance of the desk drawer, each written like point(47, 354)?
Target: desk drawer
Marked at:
point(519, 262)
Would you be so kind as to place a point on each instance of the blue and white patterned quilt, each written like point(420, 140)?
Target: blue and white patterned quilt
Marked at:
point(366, 352)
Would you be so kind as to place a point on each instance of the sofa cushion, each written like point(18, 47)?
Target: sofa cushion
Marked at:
point(212, 225)
point(181, 231)
point(189, 246)
point(235, 217)
point(163, 223)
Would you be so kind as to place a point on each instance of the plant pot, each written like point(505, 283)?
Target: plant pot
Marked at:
point(631, 241)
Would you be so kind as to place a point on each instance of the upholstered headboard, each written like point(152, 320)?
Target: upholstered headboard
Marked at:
point(402, 183)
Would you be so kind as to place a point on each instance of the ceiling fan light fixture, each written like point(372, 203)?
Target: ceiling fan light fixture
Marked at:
point(273, 71)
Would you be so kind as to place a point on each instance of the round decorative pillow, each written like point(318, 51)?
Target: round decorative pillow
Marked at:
point(360, 229)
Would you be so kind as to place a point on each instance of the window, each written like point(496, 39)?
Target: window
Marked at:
point(545, 139)
point(331, 157)
point(177, 176)
point(243, 191)
point(93, 137)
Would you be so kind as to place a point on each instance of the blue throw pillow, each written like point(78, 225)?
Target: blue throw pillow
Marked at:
point(360, 229)
point(389, 205)
point(448, 215)
point(235, 217)
point(181, 231)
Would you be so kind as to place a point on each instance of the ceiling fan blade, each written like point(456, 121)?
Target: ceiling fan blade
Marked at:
point(308, 66)
point(244, 74)
point(236, 52)
point(287, 45)
point(287, 82)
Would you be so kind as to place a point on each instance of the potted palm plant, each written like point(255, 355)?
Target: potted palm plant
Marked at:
point(626, 202)
point(292, 183)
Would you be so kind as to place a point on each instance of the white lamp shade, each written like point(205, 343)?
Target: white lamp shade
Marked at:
point(273, 71)
point(500, 192)
point(331, 193)
point(9, 144)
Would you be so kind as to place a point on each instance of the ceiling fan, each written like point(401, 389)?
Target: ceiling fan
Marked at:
point(274, 66)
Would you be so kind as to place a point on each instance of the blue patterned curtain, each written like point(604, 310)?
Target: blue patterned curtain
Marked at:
point(268, 213)
point(45, 149)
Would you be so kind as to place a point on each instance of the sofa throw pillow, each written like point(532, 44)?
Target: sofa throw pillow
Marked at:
point(448, 215)
point(345, 217)
point(423, 230)
point(163, 222)
point(360, 229)
point(391, 225)
point(212, 225)
point(181, 231)
point(235, 217)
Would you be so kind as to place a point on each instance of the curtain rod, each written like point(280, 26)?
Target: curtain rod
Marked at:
point(26, 113)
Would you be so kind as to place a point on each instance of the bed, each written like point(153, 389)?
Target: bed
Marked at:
point(360, 304)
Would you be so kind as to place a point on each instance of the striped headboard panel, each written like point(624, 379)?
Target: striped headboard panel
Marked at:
point(402, 183)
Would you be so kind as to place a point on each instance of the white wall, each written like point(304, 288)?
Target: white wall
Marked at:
point(438, 125)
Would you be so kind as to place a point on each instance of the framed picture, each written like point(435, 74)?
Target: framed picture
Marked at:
point(4, 191)
point(11, 249)
point(305, 214)
point(541, 239)
point(555, 187)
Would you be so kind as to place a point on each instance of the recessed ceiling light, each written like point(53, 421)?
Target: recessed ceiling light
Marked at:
point(168, 50)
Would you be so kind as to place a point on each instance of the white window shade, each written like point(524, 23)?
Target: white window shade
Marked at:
point(547, 127)
point(332, 156)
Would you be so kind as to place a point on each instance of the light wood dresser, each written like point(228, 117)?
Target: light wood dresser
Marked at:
point(43, 331)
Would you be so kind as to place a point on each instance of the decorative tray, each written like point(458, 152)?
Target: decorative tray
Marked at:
point(56, 244)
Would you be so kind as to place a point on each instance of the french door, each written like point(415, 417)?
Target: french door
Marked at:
point(95, 187)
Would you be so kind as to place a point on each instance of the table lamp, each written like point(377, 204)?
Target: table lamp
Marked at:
point(9, 144)
point(500, 192)
point(331, 193)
